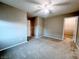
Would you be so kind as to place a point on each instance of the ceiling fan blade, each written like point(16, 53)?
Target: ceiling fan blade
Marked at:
point(64, 3)
point(32, 1)
point(36, 11)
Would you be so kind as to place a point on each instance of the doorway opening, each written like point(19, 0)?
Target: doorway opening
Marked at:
point(31, 27)
point(70, 28)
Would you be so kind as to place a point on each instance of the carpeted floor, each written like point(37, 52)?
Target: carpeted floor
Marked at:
point(43, 48)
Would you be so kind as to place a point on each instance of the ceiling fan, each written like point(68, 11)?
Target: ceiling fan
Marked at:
point(48, 6)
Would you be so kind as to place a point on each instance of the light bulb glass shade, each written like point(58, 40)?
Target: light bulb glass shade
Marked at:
point(46, 11)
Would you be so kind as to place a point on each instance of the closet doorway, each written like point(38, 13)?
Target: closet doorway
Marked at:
point(70, 28)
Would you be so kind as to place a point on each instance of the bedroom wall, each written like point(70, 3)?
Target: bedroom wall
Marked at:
point(53, 26)
point(13, 29)
point(39, 27)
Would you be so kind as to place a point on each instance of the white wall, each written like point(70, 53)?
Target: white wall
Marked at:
point(29, 28)
point(53, 27)
point(69, 25)
point(39, 27)
point(13, 29)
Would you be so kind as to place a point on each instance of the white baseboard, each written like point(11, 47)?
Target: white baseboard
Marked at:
point(39, 37)
point(53, 37)
point(13, 45)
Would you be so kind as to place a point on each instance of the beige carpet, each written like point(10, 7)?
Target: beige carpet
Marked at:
point(43, 48)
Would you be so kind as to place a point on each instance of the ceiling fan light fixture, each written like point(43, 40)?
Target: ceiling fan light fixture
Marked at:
point(46, 11)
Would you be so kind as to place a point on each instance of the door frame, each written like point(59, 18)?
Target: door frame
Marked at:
point(63, 31)
point(75, 28)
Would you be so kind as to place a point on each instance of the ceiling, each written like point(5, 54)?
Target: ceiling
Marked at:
point(45, 8)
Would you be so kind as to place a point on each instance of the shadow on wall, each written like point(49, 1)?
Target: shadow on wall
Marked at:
point(11, 14)
point(11, 33)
